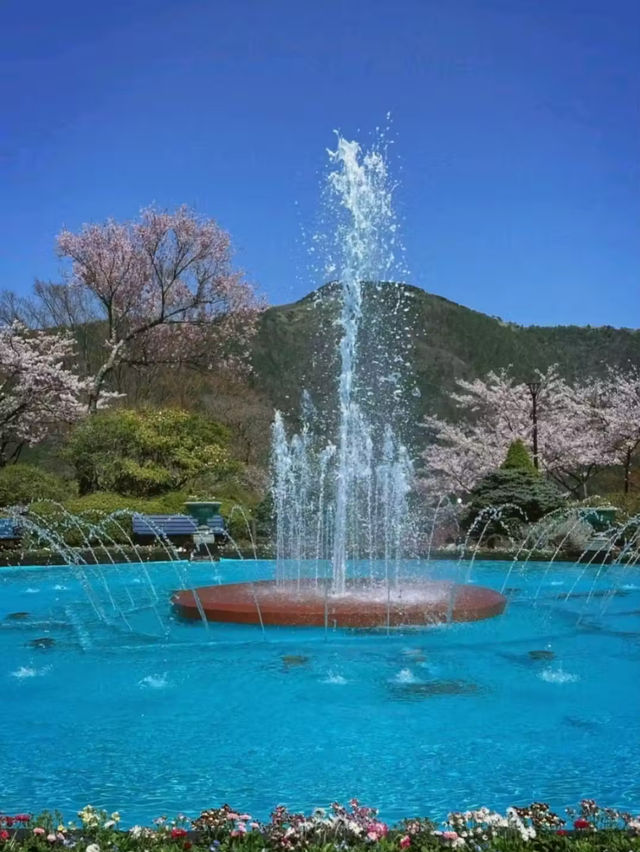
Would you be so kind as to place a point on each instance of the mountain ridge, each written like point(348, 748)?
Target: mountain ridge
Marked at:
point(296, 345)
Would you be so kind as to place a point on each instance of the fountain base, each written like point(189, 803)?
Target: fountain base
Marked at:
point(307, 604)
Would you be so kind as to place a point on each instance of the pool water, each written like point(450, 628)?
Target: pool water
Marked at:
point(421, 721)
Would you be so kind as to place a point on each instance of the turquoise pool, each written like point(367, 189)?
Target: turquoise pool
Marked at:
point(127, 715)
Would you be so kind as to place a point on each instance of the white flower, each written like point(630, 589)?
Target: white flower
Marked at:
point(93, 847)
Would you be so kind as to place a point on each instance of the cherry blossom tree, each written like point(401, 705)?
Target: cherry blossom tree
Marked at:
point(574, 442)
point(571, 436)
point(619, 409)
point(37, 391)
point(166, 288)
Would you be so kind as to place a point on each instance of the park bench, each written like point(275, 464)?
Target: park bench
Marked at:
point(178, 528)
point(10, 532)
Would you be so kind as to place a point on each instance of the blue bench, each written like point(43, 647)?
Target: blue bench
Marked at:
point(9, 530)
point(175, 526)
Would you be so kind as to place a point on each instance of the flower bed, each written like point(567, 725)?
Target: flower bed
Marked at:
point(355, 827)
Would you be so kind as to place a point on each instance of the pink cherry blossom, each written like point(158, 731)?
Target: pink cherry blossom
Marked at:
point(39, 392)
point(167, 291)
point(573, 438)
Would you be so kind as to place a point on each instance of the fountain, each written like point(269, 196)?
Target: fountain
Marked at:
point(341, 503)
point(564, 654)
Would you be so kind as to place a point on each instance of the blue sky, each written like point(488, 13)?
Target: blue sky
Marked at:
point(517, 126)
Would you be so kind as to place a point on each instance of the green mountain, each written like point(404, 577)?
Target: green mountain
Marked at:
point(296, 346)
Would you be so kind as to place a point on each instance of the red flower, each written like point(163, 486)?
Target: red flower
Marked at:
point(178, 832)
point(4, 835)
point(22, 817)
point(187, 844)
point(562, 831)
point(582, 823)
point(9, 821)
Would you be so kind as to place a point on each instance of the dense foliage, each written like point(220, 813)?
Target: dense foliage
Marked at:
point(146, 452)
point(22, 483)
point(519, 495)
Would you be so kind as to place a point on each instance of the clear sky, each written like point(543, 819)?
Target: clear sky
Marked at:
point(517, 126)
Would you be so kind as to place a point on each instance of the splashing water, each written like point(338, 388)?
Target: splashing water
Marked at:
point(405, 676)
point(29, 671)
point(557, 676)
point(346, 501)
point(154, 681)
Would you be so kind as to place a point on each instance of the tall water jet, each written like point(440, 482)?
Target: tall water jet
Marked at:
point(359, 483)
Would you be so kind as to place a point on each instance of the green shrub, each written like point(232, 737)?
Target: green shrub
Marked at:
point(518, 458)
point(231, 489)
point(22, 483)
point(84, 518)
point(147, 452)
point(526, 497)
point(102, 503)
point(628, 504)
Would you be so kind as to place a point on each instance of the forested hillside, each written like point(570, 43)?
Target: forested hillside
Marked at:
point(296, 346)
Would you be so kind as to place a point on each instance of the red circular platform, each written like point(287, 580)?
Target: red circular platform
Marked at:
point(307, 605)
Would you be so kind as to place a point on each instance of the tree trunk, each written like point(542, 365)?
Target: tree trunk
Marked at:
point(627, 471)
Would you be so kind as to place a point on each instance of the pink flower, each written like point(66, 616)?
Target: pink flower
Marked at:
point(405, 841)
point(51, 838)
point(376, 830)
point(450, 835)
point(38, 830)
point(245, 817)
